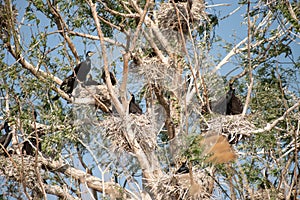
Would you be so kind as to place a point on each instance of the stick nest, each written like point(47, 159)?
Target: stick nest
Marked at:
point(234, 127)
point(117, 130)
point(20, 170)
point(170, 20)
point(179, 186)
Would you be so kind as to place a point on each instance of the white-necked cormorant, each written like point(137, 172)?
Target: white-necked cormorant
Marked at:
point(81, 72)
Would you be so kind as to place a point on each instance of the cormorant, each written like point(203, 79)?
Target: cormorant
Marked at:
point(90, 81)
point(67, 86)
point(134, 108)
point(6, 138)
point(28, 149)
point(81, 72)
point(234, 106)
point(228, 104)
point(112, 78)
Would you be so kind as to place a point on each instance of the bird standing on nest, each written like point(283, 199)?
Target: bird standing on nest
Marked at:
point(234, 106)
point(134, 108)
point(80, 73)
point(228, 104)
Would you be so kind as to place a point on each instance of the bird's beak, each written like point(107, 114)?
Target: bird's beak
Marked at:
point(92, 53)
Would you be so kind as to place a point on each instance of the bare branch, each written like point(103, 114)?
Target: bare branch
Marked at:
point(63, 26)
point(58, 191)
point(275, 122)
point(114, 98)
point(92, 37)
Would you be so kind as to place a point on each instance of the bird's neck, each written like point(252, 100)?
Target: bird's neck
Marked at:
point(88, 60)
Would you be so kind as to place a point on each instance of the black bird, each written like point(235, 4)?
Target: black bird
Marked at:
point(112, 78)
point(6, 138)
point(234, 106)
point(83, 68)
point(80, 73)
point(67, 86)
point(28, 148)
point(90, 81)
point(134, 108)
point(228, 104)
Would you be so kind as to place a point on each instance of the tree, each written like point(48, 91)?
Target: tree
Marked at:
point(185, 144)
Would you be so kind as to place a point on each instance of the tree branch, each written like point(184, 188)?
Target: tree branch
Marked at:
point(114, 98)
point(275, 122)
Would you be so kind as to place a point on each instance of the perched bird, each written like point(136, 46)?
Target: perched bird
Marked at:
point(234, 106)
point(228, 104)
point(112, 78)
point(80, 73)
point(134, 108)
point(29, 149)
point(90, 81)
point(83, 68)
point(6, 138)
point(67, 86)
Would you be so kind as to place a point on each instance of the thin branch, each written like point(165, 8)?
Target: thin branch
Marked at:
point(61, 25)
point(93, 37)
point(114, 98)
point(58, 191)
point(249, 63)
point(275, 122)
point(92, 181)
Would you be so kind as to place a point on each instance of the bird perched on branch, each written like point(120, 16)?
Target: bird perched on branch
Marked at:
point(134, 108)
point(112, 78)
point(80, 73)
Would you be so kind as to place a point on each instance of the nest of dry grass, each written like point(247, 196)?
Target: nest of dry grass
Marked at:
point(234, 127)
point(152, 69)
point(179, 186)
point(117, 130)
point(20, 169)
point(273, 193)
point(171, 18)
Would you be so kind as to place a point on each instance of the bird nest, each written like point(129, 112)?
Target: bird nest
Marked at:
point(117, 130)
point(172, 20)
point(179, 186)
point(12, 167)
point(96, 95)
point(234, 127)
point(152, 69)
